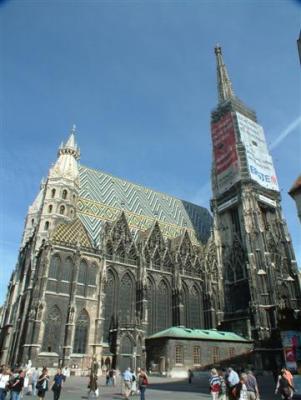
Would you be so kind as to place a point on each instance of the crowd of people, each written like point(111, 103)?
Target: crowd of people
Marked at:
point(16, 382)
point(229, 385)
point(134, 384)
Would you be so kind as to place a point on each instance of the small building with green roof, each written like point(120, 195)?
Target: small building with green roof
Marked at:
point(175, 350)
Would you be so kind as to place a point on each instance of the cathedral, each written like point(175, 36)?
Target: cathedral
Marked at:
point(105, 263)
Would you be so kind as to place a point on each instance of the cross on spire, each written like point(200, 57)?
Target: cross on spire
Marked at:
point(224, 85)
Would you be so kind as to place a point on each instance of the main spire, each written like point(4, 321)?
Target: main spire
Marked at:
point(224, 88)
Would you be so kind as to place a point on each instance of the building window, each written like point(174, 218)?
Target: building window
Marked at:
point(62, 210)
point(46, 226)
point(55, 267)
point(231, 352)
point(81, 333)
point(53, 193)
point(164, 311)
point(50, 208)
point(53, 326)
point(196, 355)
point(65, 194)
point(126, 299)
point(109, 307)
point(32, 222)
point(215, 355)
point(179, 354)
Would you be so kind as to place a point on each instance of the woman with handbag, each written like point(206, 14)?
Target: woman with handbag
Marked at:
point(57, 384)
point(143, 382)
point(42, 384)
point(284, 386)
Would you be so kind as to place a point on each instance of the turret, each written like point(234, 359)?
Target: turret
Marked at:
point(56, 201)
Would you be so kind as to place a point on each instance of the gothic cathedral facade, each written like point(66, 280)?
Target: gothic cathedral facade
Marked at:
point(104, 263)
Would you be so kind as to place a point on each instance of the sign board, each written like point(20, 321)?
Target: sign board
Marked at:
point(227, 203)
point(225, 154)
point(260, 162)
point(291, 341)
point(266, 200)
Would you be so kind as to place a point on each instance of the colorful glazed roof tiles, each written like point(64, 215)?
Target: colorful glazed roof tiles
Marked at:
point(103, 197)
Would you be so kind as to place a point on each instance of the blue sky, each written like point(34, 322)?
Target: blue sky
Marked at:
point(138, 78)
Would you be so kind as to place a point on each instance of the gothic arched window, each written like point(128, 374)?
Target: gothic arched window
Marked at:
point(126, 299)
point(53, 193)
point(195, 308)
point(55, 267)
point(81, 333)
point(164, 312)
point(50, 208)
point(46, 226)
point(151, 306)
point(126, 346)
point(64, 194)
point(109, 303)
point(52, 331)
point(92, 274)
point(109, 249)
point(67, 270)
point(62, 210)
point(82, 274)
point(120, 252)
point(132, 253)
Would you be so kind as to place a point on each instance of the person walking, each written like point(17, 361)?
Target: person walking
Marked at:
point(4, 378)
point(127, 382)
point(190, 376)
point(240, 390)
point(42, 383)
point(57, 384)
point(17, 385)
point(142, 382)
point(252, 387)
point(284, 387)
point(215, 384)
point(34, 380)
point(232, 382)
point(223, 389)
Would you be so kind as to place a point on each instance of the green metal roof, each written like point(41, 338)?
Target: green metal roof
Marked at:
point(103, 197)
point(202, 334)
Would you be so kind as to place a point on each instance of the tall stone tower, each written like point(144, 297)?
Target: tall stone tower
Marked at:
point(261, 292)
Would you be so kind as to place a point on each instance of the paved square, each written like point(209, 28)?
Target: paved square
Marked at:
point(158, 389)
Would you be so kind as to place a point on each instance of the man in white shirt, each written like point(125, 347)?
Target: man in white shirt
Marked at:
point(4, 378)
point(232, 380)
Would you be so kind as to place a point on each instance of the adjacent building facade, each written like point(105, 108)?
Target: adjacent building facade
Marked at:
point(105, 263)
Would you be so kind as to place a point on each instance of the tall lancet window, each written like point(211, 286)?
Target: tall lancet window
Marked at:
point(151, 306)
point(52, 333)
point(109, 304)
point(126, 299)
point(81, 333)
point(164, 311)
point(196, 308)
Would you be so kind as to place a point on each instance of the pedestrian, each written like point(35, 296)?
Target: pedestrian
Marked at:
point(4, 379)
point(252, 387)
point(17, 385)
point(223, 389)
point(57, 384)
point(127, 382)
point(215, 384)
point(142, 383)
point(113, 377)
point(107, 377)
point(240, 390)
point(232, 382)
point(34, 380)
point(284, 387)
point(42, 384)
point(190, 376)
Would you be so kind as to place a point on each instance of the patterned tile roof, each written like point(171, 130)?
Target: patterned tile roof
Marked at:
point(72, 233)
point(103, 197)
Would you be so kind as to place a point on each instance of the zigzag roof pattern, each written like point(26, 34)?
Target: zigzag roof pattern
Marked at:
point(102, 197)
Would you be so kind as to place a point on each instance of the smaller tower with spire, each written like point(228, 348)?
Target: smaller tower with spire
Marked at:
point(56, 201)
